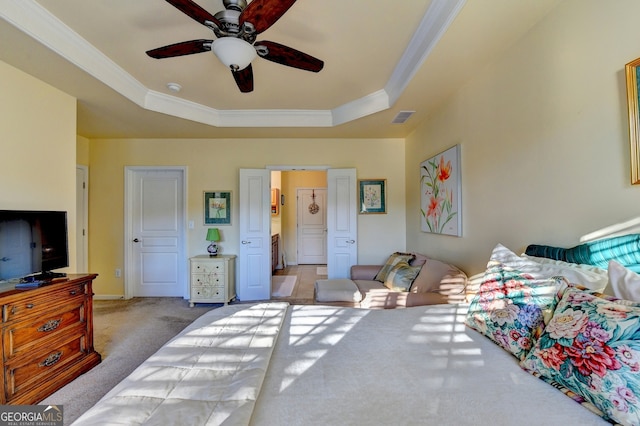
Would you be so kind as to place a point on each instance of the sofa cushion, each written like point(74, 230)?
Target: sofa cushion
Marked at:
point(401, 276)
point(437, 276)
point(391, 262)
point(337, 290)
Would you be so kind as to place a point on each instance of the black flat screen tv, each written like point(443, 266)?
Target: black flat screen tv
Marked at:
point(32, 244)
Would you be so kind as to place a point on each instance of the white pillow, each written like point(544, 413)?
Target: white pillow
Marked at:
point(624, 282)
point(588, 276)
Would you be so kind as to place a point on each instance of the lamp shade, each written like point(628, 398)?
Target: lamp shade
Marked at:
point(235, 53)
point(213, 234)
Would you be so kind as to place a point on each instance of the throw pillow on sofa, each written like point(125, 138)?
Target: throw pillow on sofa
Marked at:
point(401, 276)
point(394, 259)
point(591, 346)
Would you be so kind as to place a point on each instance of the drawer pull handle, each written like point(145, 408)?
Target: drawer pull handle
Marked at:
point(72, 292)
point(29, 305)
point(51, 359)
point(50, 325)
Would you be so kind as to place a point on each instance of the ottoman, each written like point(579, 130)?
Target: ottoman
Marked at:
point(337, 290)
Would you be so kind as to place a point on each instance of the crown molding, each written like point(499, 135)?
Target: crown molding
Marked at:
point(37, 22)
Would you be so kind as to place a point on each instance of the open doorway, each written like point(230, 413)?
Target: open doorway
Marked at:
point(299, 238)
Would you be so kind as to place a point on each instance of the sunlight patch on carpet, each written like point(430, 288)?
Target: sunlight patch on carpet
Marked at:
point(282, 285)
point(322, 270)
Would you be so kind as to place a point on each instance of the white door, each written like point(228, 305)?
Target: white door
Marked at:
point(154, 232)
point(254, 262)
point(312, 226)
point(342, 221)
point(81, 219)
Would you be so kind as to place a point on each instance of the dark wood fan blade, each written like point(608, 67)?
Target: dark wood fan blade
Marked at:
point(244, 79)
point(194, 11)
point(181, 49)
point(264, 13)
point(291, 57)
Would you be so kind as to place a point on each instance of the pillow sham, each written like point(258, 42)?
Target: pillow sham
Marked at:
point(624, 283)
point(401, 276)
point(390, 263)
point(510, 307)
point(588, 276)
point(591, 346)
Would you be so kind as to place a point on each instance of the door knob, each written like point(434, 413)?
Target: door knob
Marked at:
point(135, 240)
point(351, 241)
point(246, 242)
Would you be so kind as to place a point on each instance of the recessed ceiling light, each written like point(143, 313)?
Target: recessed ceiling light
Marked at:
point(174, 87)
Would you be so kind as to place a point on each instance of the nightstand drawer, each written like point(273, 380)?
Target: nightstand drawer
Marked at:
point(211, 280)
point(212, 294)
point(202, 267)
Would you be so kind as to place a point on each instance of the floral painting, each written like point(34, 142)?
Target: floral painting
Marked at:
point(440, 193)
point(373, 197)
point(217, 208)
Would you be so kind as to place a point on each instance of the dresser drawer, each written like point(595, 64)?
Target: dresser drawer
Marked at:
point(37, 303)
point(22, 336)
point(204, 267)
point(208, 279)
point(212, 294)
point(30, 371)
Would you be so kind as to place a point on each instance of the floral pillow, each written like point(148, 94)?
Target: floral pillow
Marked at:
point(591, 346)
point(401, 276)
point(510, 307)
point(391, 262)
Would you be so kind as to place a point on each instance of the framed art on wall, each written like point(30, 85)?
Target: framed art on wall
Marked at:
point(632, 71)
point(440, 193)
point(373, 196)
point(217, 207)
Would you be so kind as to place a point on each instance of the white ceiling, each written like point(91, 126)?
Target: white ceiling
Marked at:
point(381, 57)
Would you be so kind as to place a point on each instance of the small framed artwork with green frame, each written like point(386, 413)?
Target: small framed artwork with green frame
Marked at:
point(373, 196)
point(217, 207)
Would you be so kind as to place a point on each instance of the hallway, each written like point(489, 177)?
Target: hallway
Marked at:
point(306, 277)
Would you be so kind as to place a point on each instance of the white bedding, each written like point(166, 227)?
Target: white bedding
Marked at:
point(273, 364)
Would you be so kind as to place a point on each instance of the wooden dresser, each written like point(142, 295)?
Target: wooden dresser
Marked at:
point(47, 338)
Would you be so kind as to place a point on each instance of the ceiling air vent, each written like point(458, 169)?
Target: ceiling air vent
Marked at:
point(402, 117)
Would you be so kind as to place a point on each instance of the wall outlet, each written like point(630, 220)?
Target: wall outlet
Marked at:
point(118, 273)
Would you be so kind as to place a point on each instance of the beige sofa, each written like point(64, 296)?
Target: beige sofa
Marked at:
point(436, 283)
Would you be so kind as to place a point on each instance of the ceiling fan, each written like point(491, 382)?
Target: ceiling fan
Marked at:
point(236, 29)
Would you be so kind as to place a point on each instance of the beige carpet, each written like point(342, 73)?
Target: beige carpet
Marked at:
point(282, 285)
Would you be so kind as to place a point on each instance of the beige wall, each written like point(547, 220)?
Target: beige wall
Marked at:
point(214, 165)
point(544, 138)
point(38, 148)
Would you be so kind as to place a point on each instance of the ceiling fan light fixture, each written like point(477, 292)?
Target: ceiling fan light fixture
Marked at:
point(234, 53)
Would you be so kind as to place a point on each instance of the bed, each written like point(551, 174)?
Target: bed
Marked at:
point(277, 364)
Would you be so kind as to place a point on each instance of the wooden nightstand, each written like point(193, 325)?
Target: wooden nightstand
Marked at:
point(213, 279)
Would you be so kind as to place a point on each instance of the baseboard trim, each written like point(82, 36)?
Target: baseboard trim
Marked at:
point(108, 297)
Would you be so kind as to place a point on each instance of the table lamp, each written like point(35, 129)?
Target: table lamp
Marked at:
point(213, 235)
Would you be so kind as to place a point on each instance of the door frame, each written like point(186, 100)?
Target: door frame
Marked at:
point(83, 252)
point(129, 172)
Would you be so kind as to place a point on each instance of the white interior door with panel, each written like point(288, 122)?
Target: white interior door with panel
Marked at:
point(342, 222)
point(312, 226)
point(82, 206)
point(155, 232)
point(254, 262)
